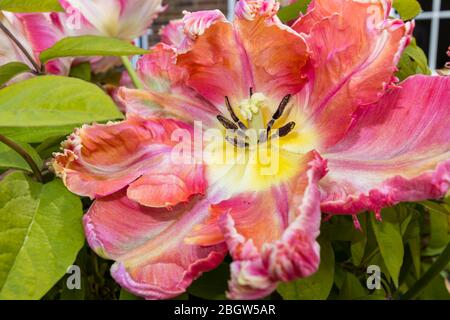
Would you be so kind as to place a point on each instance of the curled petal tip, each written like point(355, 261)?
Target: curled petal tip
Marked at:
point(251, 9)
point(195, 23)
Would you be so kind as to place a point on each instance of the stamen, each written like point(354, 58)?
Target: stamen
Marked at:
point(251, 92)
point(284, 130)
point(277, 115)
point(227, 123)
point(281, 107)
point(233, 115)
point(237, 143)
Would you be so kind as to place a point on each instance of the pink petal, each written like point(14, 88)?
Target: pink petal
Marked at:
point(271, 235)
point(123, 19)
point(296, 254)
point(36, 32)
point(43, 33)
point(136, 16)
point(173, 33)
point(167, 94)
point(355, 49)
point(398, 150)
point(148, 246)
point(99, 160)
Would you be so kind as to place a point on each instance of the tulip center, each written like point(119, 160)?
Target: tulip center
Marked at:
point(255, 130)
point(259, 147)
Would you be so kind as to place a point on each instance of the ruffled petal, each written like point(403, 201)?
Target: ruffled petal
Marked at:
point(148, 246)
point(166, 94)
point(398, 150)
point(173, 33)
point(276, 54)
point(214, 61)
point(256, 271)
point(355, 49)
point(264, 230)
point(99, 160)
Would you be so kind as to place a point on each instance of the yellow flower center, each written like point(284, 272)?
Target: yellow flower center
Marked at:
point(258, 146)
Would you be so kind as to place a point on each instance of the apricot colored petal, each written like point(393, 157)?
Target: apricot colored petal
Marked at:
point(276, 54)
point(99, 160)
point(355, 49)
point(214, 61)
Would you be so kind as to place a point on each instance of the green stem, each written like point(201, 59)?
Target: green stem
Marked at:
point(24, 154)
point(38, 69)
point(133, 75)
point(429, 275)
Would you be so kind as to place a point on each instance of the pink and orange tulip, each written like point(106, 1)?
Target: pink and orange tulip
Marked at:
point(336, 133)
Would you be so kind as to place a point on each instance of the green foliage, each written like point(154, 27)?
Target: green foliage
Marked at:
point(47, 106)
point(359, 242)
point(9, 159)
point(293, 11)
point(81, 71)
point(413, 61)
point(351, 288)
point(388, 233)
point(317, 286)
point(30, 5)
point(10, 70)
point(213, 284)
point(40, 235)
point(438, 233)
point(408, 9)
point(90, 46)
point(125, 295)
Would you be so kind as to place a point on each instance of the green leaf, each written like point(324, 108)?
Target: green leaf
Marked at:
point(49, 146)
point(413, 61)
point(30, 5)
point(37, 134)
point(389, 237)
point(317, 286)
point(412, 237)
point(212, 285)
point(10, 159)
point(10, 70)
point(40, 235)
point(292, 11)
point(359, 241)
point(439, 230)
point(125, 295)
point(81, 71)
point(407, 9)
point(83, 46)
point(339, 228)
point(352, 288)
point(436, 289)
point(435, 207)
point(54, 101)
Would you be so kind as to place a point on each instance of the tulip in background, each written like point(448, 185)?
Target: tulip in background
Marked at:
point(345, 134)
point(125, 20)
point(35, 32)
